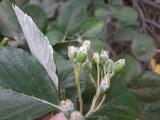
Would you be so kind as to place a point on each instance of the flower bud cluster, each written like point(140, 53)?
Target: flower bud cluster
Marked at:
point(103, 59)
point(79, 54)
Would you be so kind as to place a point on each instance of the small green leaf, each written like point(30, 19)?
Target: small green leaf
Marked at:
point(38, 15)
point(101, 12)
point(8, 23)
point(143, 47)
point(55, 37)
point(117, 2)
point(98, 45)
point(125, 33)
point(49, 6)
point(92, 27)
point(72, 14)
point(126, 15)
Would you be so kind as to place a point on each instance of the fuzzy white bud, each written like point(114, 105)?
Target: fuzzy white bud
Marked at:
point(121, 61)
point(66, 106)
point(96, 58)
point(72, 51)
point(86, 44)
point(105, 82)
point(103, 57)
point(118, 65)
point(76, 115)
point(104, 54)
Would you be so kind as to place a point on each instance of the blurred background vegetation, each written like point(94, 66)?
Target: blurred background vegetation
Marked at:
point(129, 29)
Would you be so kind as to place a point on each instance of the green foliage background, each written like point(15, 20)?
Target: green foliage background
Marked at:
point(134, 93)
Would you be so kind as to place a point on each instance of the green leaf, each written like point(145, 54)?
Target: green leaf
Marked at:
point(146, 87)
point(143, 47)
point(18, 106)
point(131, 69)
point(8, 23)
point(98, 45)
point(20, 2)
point(126, 15)
point(38, 15)
point(120, 104)
point(55, 37)
point(21, 72)
point(101, 12)
point(125, 33)
point(151, 111)
point(49, 6)
point(72, 14)
point(92, 27)
point(117, 2)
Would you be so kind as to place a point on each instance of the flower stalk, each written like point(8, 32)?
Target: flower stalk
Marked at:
point(77, 76)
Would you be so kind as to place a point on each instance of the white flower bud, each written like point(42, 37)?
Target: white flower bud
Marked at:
point(104, 54)
point(96, 58)
point(121, 61)
point(76, 116)
point(103, 57)
point(72, 52)
point(67, 106)
point(105, 83)
point(118, 65)
point(81, 55)
point(86, 44)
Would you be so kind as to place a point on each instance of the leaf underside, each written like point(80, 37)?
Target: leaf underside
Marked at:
point(38, 43)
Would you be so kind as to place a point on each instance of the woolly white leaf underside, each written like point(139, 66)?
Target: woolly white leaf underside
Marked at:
point(38, 43)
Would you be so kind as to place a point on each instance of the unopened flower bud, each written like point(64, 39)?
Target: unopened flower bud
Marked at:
point(86, 44)
point(118, 65)
point(72, 52)
point(67, 107)
point(109, 66)
point(96, 58)
point(103, 57)
point(81, 55)
point(88, 66)
point(105, 83)
point(76, 116)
